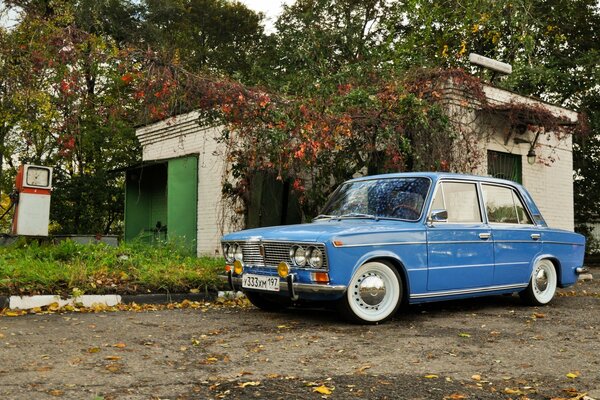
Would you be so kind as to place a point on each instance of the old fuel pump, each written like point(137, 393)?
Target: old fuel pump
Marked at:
point(32, 199)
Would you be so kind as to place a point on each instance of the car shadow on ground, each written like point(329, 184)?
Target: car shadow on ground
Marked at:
point(325, 312)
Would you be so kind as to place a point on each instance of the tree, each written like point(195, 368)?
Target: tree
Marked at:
point(73, 108)
point(208, 35)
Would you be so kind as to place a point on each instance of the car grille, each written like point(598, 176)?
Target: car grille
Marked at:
point(274, 253)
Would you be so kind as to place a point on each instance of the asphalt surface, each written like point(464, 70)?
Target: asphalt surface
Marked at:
point(487, 348)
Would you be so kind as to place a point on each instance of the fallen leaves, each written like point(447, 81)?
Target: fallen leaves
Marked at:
point(323, 390)
point(573, 375)
point(114, 367)
point(464, 335)
point(249, 383)
point(431, 376)
point(362, 369)
point(54, 308)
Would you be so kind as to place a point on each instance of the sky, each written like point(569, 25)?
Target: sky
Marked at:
point(271, 9)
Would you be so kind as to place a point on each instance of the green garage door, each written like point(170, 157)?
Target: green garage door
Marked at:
point(182, 201)
point(161, 202)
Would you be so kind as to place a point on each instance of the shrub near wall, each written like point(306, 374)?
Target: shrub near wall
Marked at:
point(67, 268)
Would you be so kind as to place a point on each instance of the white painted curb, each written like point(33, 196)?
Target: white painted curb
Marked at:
point(29, 302)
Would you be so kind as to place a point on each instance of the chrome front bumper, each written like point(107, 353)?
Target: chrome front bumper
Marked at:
point(290, 286)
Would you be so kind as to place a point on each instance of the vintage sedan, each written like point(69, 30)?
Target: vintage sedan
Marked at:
point(385, 240)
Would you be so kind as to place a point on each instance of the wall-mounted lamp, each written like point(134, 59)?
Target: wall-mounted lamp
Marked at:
point(531, 156)
point(531, 153)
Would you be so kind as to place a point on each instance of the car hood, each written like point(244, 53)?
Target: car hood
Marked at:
point(328, 230)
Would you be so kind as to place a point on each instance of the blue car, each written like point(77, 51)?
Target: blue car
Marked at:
point(385, 240)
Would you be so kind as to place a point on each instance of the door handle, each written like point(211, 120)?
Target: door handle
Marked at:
point(484, 236)
point(536, 236)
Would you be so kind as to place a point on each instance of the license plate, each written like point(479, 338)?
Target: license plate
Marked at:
point(261, 282)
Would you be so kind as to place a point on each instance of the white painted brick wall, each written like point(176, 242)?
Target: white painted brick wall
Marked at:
point(182, 136)
point(551, 186)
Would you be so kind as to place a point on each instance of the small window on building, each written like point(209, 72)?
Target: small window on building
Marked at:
point(505, 166)
point(460, 200)
point(503, 206)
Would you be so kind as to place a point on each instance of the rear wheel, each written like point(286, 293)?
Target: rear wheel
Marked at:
point(374, 293)
point(542, 284)
point(268, 302)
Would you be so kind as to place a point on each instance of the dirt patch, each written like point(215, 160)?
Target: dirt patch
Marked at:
point(478, 349)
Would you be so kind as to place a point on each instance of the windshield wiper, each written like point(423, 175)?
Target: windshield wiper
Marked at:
point(359, 215)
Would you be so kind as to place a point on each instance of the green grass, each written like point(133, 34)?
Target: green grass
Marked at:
point(68, 267)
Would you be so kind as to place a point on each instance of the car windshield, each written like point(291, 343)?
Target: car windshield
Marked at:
point(400, 198)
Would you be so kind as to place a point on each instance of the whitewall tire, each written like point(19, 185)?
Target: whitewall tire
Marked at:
point(374, 293)
point(542, 284)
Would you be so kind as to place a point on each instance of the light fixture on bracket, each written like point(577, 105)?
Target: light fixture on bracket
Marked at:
point(531, 156)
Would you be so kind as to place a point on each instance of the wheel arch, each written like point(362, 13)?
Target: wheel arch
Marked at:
point(393, 260)
point(557, 266)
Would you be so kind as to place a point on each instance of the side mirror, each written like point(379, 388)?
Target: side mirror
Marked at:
point(438, 216)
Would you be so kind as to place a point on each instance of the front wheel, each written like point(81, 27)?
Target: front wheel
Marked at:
point(374, 293)
point(542, 284)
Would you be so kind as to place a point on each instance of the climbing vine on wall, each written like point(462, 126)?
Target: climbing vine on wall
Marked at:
point(356, 122)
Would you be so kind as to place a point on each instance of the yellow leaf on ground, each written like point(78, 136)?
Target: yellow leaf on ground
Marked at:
point(119, 345)
point(512, 391)
point(572, 375)
point(476, 377)
point(323, 389)
point(363, 368)
point(251, 383)
point(53, 307)
point(56, 392)
point(112, 358)
point(212, 359)
point(12, 313)
point(465, 335)
point(114, 367)
point(431, 376)
point(93, 350)
point(455, 396)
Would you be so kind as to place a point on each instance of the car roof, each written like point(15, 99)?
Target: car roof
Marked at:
point(435, 176)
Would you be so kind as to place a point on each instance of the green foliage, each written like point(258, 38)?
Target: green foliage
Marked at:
point(28, 267)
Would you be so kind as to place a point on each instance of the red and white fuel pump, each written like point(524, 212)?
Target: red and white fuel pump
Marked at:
point(32, 213)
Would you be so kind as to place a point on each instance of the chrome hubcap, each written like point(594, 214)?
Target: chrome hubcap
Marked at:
point(371, 290)
point(541, 280)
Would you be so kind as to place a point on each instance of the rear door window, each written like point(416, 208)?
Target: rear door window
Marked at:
point(503, 206)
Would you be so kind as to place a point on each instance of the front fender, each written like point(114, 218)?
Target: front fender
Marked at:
point(345, 262)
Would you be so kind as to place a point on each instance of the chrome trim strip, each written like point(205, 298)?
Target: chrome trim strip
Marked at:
point(513, 263)
point(378, 244)
point(565, 243)
point(467, 291)
point(518, 241)
point(462, 241)
point(298, 287)
point(462, 266)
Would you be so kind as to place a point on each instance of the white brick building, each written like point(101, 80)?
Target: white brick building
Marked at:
point(184, 166)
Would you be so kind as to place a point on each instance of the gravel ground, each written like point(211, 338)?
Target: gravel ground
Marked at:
point(489, 348)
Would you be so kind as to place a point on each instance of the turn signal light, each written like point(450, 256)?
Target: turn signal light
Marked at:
point(228, 268)
point(283, 269)
point(320, 277)
point(238, 267)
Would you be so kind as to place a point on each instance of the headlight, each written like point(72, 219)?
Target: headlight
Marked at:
point(237, 252)
point(298, 255)
point(229, 252)
point(315, 257)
